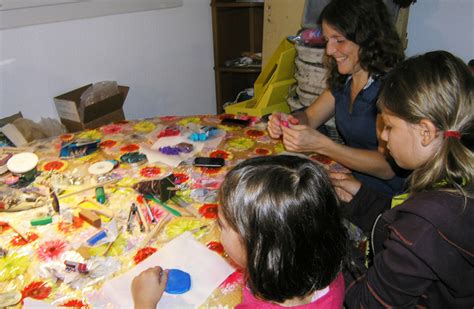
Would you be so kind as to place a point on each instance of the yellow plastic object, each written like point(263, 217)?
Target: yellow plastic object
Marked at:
point(272, 85)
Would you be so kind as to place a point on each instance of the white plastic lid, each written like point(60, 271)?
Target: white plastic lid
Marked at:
point(101, 168)
point(22, 162)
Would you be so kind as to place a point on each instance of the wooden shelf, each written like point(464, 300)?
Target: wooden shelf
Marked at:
point(237, 28)
point(246, 69)
point(238, 4)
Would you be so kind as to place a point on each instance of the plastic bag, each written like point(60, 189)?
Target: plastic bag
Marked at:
point(98, 92)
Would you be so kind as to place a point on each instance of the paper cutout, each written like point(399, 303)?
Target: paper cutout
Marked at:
point(206, 268)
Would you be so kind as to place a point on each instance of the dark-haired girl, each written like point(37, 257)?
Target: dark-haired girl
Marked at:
point(280, 222)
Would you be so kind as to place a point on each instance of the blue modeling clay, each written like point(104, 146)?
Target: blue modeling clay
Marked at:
point(179, 282)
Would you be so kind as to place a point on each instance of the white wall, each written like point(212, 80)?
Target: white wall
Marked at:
point(165, 56)
point(442, 24)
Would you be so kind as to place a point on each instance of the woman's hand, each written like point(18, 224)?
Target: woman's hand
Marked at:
point(345, 185)
point(303, 138)
point(148, 287)
point(274, 124)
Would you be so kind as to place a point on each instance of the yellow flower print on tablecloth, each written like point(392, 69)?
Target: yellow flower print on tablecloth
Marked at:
point(279, 148)
point(126, 182)
point(178, 226)
point(186, 121)
point(91, 157)
point(115, 250)
point(144, 126)
point(13, 265)
point(240, 144)
point(90, 135)
point(228, 128)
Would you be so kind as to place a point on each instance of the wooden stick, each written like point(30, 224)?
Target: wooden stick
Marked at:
point(101, 209)
point(155, 230)
point(102, 184)
point(119, 230)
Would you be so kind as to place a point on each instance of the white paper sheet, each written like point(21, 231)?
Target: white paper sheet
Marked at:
point(154, 155)
point(207, 270)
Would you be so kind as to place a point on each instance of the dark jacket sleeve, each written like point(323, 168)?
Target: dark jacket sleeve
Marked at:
point(397, 278)
point(365, 207)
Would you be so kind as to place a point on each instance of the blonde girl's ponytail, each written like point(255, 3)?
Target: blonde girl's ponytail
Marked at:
point(437, 86)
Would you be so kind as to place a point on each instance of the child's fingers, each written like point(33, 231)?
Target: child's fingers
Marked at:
point(164, 277)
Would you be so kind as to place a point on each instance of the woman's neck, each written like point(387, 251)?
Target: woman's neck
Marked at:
point(359, 80)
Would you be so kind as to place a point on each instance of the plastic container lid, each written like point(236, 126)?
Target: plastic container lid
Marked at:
point(22, 162)
point(101, 168)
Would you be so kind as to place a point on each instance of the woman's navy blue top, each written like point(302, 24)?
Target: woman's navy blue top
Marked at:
point(358, 128)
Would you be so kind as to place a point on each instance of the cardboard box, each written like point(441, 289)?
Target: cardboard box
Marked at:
point(95, 115)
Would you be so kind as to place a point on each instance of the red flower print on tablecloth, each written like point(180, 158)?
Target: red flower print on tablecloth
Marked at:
point(142, 254)
point(150, 171)
point(255, 133)
point(180, 178)
point(216, 247)
point(18, 241)
point(210, 170)
point(262, 151)
point(51, 249)
point(221, 154)
point(112, 129)
point(67, 227)
point(66, 137)
point(130, 148)
point(321, 158)
point(169, 131)
point(222, 116)
point(234, 280)
point(75, 303)
point(208, 211)
point(107, 143)
point(36, 290)
point(55, 165)
point(4, 226)
point(168, 118)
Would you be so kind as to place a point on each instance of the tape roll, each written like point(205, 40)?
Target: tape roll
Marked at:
point(101, 168)
point(22, 162)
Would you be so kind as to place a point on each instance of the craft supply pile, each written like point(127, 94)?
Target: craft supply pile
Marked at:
point(80, 211)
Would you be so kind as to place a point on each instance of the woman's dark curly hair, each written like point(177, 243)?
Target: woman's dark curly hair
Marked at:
point(286, 212)
point(368, 24)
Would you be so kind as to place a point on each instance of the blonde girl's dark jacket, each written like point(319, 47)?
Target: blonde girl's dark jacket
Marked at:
point(423, 252)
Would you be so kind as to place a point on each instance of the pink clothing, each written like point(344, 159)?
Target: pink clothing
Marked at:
point(332, 299)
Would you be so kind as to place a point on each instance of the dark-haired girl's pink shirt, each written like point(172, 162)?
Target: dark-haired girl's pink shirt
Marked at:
point(331, 297)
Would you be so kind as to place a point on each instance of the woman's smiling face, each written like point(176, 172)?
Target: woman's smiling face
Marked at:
point(343, 50)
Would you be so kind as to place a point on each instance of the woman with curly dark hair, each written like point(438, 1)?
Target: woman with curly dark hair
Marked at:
point(361, 46)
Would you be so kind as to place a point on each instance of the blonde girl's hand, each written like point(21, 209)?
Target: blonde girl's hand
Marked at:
point(148, 287)
point(275, 123)
point(345, 185)
point(303, 138)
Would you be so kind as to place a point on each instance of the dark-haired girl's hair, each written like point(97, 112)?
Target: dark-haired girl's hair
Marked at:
point(368, 24)
point(286, 212)
point(439, 87)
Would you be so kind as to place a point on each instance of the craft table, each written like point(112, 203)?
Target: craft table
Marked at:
point(34, 253)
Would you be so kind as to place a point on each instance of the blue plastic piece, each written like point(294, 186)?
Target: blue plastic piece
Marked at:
point(96, 237)
point(179, 282)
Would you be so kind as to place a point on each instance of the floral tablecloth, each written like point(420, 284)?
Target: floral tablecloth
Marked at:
point(33, 263)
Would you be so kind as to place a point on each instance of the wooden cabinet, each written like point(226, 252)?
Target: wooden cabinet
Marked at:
point(237, 28)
